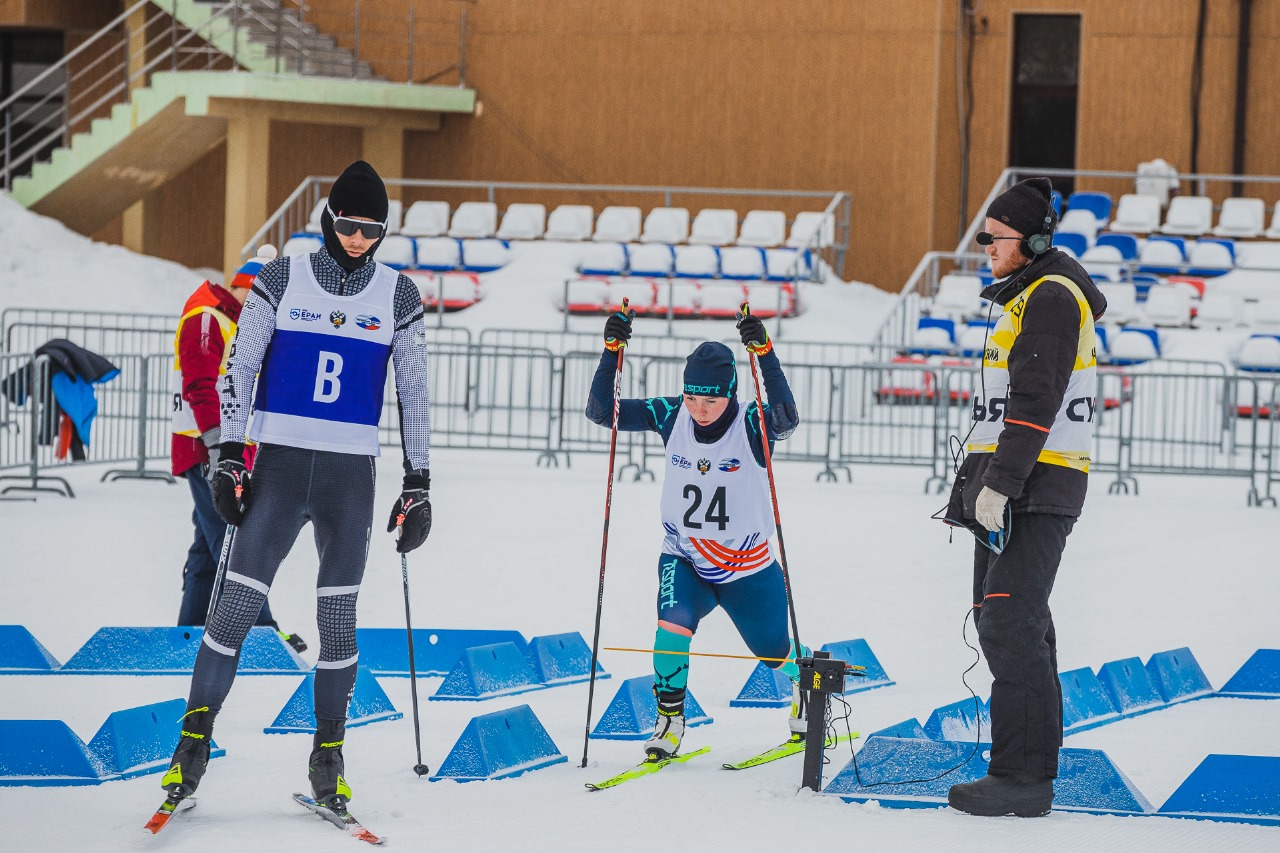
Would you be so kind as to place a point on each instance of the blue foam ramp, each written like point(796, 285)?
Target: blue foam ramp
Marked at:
point(22, 654)
point(1259, 678)
point(435, 650)
point(765, 688)
point(1085, 704)
point(369, 704)
point(1233, 788)
point(561, 659)
point(906, 729)
point(483, 672)
point(172, 651)
point(891, 759)
point(46, 752)
point(960, 721)
point(498, 746)
point(1129, 686)
point(858, 653)
point(1177, 675)
point(138, 741)
point(1089, 781)
point(634, 708)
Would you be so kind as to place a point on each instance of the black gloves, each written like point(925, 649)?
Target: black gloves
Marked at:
point(231, 483)
point(617, 330)
point(412, 512)
point(754, 335)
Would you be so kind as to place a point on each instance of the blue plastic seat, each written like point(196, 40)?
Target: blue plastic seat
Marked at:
point(1078, 244)
point(1126, 243)
point(1099, 204)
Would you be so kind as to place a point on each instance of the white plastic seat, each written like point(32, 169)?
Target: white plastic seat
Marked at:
point(618, 225)
point(1122, 301)
point(714, 227)
point(523, 222)
point(395, 212)
point(1189, 214)
point(426, 219)
point(1266, 314)
point(474, 219)
point(1167, 305)
point(1219, 310)
point(677, 297)
point(1103, 261)
point(458, 290)
point(1209, 256)
point(742, 262)
point(722, 298)
point(1241, 217)
point(1273, 233)
point(1136, 214)
point(301, 244)
point(397, 251)
point(1260, 353)
point(958, 296)
point(697, 262)
point(639, 293)
point(1131, 346)
point(763, 228)
point(786, 264)
point(439, 253)
point(587, 295)
point(1080, 222)
point(973, 339)
point(1160, 256)
point(313, 221)
point(604, 259)
point(570, 222)
point(654, 259)
point(812, 230)
point(767, 299)
point(932, 338)
point(484, 255)
point(666, 225)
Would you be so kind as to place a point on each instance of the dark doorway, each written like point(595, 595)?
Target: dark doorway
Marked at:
point(33, 120)
point(1046, 75)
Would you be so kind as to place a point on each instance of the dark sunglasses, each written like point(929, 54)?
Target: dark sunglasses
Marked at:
point(347, 227)
point(986, 238)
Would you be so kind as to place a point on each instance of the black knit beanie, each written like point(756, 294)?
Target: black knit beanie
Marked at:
point(709, 371)
point(1024, 205)
point(357, 192)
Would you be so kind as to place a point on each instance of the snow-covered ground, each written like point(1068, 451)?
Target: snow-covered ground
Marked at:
point(517, 546)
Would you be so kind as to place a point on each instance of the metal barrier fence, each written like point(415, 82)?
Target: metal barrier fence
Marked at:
point(496, 394)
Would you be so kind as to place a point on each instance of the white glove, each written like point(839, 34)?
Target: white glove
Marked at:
point(989, 510)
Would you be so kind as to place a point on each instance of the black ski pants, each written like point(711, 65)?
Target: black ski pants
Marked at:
point(289, 487)
point(1015, 629)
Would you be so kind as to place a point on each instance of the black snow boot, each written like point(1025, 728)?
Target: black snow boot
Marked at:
point(994, 796)
point(325, 768)
point(190, 759)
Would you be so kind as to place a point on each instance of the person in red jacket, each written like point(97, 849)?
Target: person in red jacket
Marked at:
point(201, 349)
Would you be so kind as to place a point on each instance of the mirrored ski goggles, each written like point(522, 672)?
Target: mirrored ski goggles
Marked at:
point(346, 226)
point(996, 540)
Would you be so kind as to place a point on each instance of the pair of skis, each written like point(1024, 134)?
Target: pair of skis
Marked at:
point(340, 817)
point(653, 764)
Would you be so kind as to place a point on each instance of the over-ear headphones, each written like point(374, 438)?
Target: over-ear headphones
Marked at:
point(1037, 244)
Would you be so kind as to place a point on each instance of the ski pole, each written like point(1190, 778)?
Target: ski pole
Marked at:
point(604, 545)
point(229, 535)
point(773, 491)
point(419, 768)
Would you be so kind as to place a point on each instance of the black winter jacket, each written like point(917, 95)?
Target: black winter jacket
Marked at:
point(1040, 365)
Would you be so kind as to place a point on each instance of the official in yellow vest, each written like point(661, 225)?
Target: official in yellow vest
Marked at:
point(1022, 486)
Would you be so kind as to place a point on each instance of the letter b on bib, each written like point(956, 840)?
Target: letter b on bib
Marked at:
point(327, 385)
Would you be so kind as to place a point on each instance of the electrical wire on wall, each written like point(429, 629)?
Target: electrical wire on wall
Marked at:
point(965, 32)
point(1197, 79)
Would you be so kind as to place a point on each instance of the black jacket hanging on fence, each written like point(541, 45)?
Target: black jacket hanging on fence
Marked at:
point(69, 405)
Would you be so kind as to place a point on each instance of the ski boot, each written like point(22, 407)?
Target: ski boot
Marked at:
point(190, 759)
point(669, 727)
point(799, 720)
point(295, 642)
point(325, 767)
point(995, 796)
